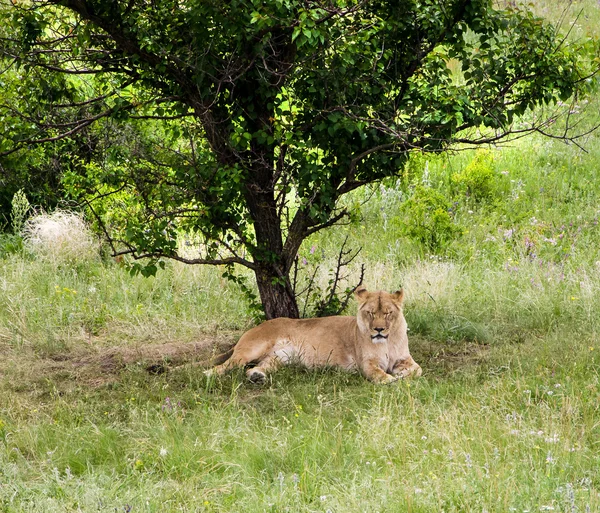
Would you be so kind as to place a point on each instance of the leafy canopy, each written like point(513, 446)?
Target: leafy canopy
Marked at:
point(264, 114)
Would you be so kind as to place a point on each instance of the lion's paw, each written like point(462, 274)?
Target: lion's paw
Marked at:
point(412, 372)
point(257, 377)
point(389, 379)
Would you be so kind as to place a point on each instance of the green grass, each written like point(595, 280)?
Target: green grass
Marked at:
point(505, 418)
point(516, 429)
point(43, 304)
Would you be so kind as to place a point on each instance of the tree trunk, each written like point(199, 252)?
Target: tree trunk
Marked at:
point(278, 299)
point(272, 264)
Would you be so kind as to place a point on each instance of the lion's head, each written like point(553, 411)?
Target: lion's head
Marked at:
point(378, 313)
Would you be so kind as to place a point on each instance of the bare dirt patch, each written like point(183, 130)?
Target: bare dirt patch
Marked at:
point(97, 365)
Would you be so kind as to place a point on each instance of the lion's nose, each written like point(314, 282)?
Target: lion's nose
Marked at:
point(379, 330)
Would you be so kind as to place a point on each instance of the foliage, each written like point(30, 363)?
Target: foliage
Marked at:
point(478, 180)
point(10, 244)
point(37, 170)
point(426, 219)
point(20, 209)
point(326, 304)
point(246, 123)
point(36, 173)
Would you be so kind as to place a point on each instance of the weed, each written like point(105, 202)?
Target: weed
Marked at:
point(19, 212)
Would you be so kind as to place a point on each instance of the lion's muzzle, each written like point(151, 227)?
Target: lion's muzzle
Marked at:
point(379, 337)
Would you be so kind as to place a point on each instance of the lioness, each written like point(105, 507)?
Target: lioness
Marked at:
point(374, 342)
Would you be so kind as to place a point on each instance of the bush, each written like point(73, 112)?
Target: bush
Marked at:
point(477, 180)
point(427, 219)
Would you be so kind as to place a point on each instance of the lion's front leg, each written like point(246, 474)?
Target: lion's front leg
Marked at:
point(373, 372)
point(407, 367)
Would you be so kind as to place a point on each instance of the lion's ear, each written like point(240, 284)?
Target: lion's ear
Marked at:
point(361, 293)
point(398, 296)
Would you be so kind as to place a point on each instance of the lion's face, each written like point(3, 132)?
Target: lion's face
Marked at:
point(378, 313)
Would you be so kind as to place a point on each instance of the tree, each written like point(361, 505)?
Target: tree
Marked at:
point(265, 114)
point(36, 171)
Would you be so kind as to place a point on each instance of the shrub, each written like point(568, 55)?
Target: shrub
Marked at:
point(477, 180)
point(427, 219)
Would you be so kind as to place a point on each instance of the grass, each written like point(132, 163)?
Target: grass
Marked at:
point(516, 429)
point(102, 407)
point(99, 414)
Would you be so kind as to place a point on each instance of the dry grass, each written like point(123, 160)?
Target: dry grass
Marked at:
point(426, 280)
point(61, 236)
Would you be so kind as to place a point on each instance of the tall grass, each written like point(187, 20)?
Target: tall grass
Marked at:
point(60, 237)
point(40, 302)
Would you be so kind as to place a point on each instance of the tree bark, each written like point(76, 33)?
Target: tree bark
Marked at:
point(272, 263)
point(277, 298)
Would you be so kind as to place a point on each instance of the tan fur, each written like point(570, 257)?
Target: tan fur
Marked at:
point(374, 342)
